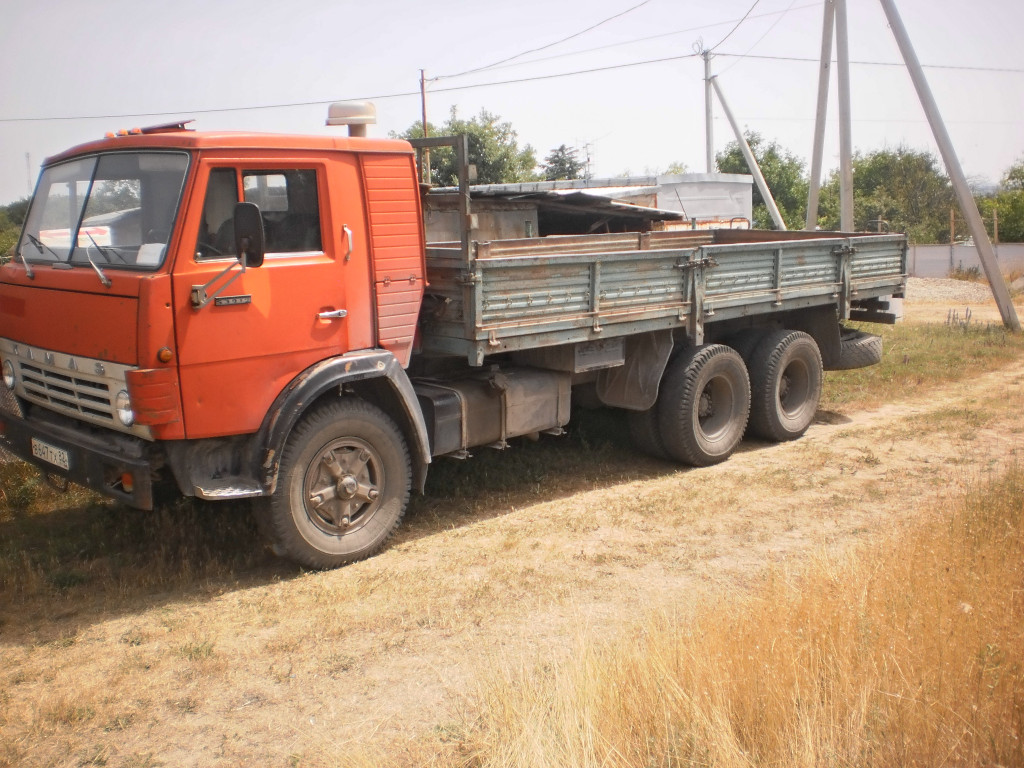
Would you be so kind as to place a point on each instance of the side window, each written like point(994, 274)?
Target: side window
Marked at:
point(217, 228)
point(290, 207)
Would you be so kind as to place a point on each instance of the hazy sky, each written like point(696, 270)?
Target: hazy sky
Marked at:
point(80, 66)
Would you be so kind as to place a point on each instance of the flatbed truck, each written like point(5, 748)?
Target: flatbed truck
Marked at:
point(252, 316)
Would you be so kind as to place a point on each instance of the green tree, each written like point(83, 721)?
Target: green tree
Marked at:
point(783, 172)
point(493, 148)
point(563, 162)
point(11, 218)
point(1014, 176)
point(903, 187)
point(1008, 205)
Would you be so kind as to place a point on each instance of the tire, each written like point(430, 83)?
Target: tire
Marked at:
point(704, 405)
point(745, 342)
point(785, 385)
point(351, 455)
point(858, 350)
point(645, 432)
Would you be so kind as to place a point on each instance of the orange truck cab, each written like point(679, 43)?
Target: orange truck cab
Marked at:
point(136, 341)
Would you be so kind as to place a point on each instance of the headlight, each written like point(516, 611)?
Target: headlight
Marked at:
point(124, 408)
point(9, 380)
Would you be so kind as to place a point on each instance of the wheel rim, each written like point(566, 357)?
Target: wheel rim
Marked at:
point(794, 387)
point(715, 409)
point(342, 486)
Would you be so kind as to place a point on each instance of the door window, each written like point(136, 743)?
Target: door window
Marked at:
point(290, 207)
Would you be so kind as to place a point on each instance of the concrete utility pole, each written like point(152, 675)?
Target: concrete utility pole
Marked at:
point(709, 139)
point(819, 123)
point(956, 173)
point(755, 169)
point(425, 153)
point(846, 223)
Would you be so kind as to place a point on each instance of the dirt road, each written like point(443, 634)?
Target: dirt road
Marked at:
point(382, 659)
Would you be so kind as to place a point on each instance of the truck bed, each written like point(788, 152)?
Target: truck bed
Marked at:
point(522, 294)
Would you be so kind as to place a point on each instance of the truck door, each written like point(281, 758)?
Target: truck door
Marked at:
point(239, 350)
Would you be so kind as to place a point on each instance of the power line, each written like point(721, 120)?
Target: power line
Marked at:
point(453, 88)
point(648, 38)
point(549, 45)
point(738, 24)
point(873, 63)
point(762, 37)
point(377, 97)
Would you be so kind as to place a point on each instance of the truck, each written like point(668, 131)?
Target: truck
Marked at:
point(256, 316)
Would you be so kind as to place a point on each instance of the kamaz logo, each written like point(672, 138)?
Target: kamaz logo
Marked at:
point(50, 358)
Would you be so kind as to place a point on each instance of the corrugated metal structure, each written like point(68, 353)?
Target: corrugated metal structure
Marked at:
point(588, 206)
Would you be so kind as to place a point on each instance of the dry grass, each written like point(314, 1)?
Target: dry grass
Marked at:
point(916, 357)
point(175, 638)
point(905, 654)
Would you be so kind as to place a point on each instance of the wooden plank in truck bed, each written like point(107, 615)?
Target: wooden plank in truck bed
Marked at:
point(524, 294)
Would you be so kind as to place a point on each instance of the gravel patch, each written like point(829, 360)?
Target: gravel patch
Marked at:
point(943, 289)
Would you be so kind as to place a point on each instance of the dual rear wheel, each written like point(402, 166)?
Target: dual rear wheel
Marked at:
point(712, 394)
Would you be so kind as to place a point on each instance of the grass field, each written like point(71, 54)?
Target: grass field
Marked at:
point(175, 638)
point(904, 653)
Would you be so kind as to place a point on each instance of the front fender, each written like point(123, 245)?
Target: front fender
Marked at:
point(316, 380)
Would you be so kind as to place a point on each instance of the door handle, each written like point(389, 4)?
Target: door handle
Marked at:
point(348, 240)
point(334, 314)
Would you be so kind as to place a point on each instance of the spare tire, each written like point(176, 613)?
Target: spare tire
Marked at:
point(858, 350)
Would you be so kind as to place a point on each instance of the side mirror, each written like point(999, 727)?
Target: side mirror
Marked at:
point(249, 240)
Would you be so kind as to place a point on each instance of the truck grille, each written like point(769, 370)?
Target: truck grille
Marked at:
point(80, 387)
point(85, 398)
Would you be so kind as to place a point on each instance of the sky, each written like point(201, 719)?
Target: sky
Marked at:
point(76, 70)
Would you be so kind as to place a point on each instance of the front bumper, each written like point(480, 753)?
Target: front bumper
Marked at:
point(106, 466)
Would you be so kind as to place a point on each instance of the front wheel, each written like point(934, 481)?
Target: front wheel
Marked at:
point(343, 486)
point(704, 405)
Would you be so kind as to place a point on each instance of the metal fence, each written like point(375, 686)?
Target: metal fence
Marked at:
point(940, 260)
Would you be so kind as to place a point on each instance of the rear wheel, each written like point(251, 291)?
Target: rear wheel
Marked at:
point(704, 405)
point(785, 385)
point(343, 486)
point(645, 431)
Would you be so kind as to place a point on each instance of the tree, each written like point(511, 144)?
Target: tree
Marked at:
point(903, 187)
point(563, 163)
point(11, 218)
point(1014, 176)
point(493, 148)
point(783, 172)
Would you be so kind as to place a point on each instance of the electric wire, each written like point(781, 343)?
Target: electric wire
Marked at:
point(647, 38)
point(762, 37)
point(548, 45)
point(453, 88)
point(738, 25)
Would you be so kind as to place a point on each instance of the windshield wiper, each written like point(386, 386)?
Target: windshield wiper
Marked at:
point(103, 278)
point(40, 245)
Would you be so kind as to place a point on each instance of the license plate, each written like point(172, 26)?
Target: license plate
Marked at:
point(56, 456)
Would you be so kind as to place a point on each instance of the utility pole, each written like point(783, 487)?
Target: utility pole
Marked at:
point(819, 123)
point(748, 155)
point(956, 173)
point(846, 223)
point(425, 154)
point(28, 173)
point(709, 139)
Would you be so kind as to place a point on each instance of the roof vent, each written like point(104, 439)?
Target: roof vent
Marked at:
point(355, 114)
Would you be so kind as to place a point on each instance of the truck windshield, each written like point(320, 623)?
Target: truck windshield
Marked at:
point(115, 210)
